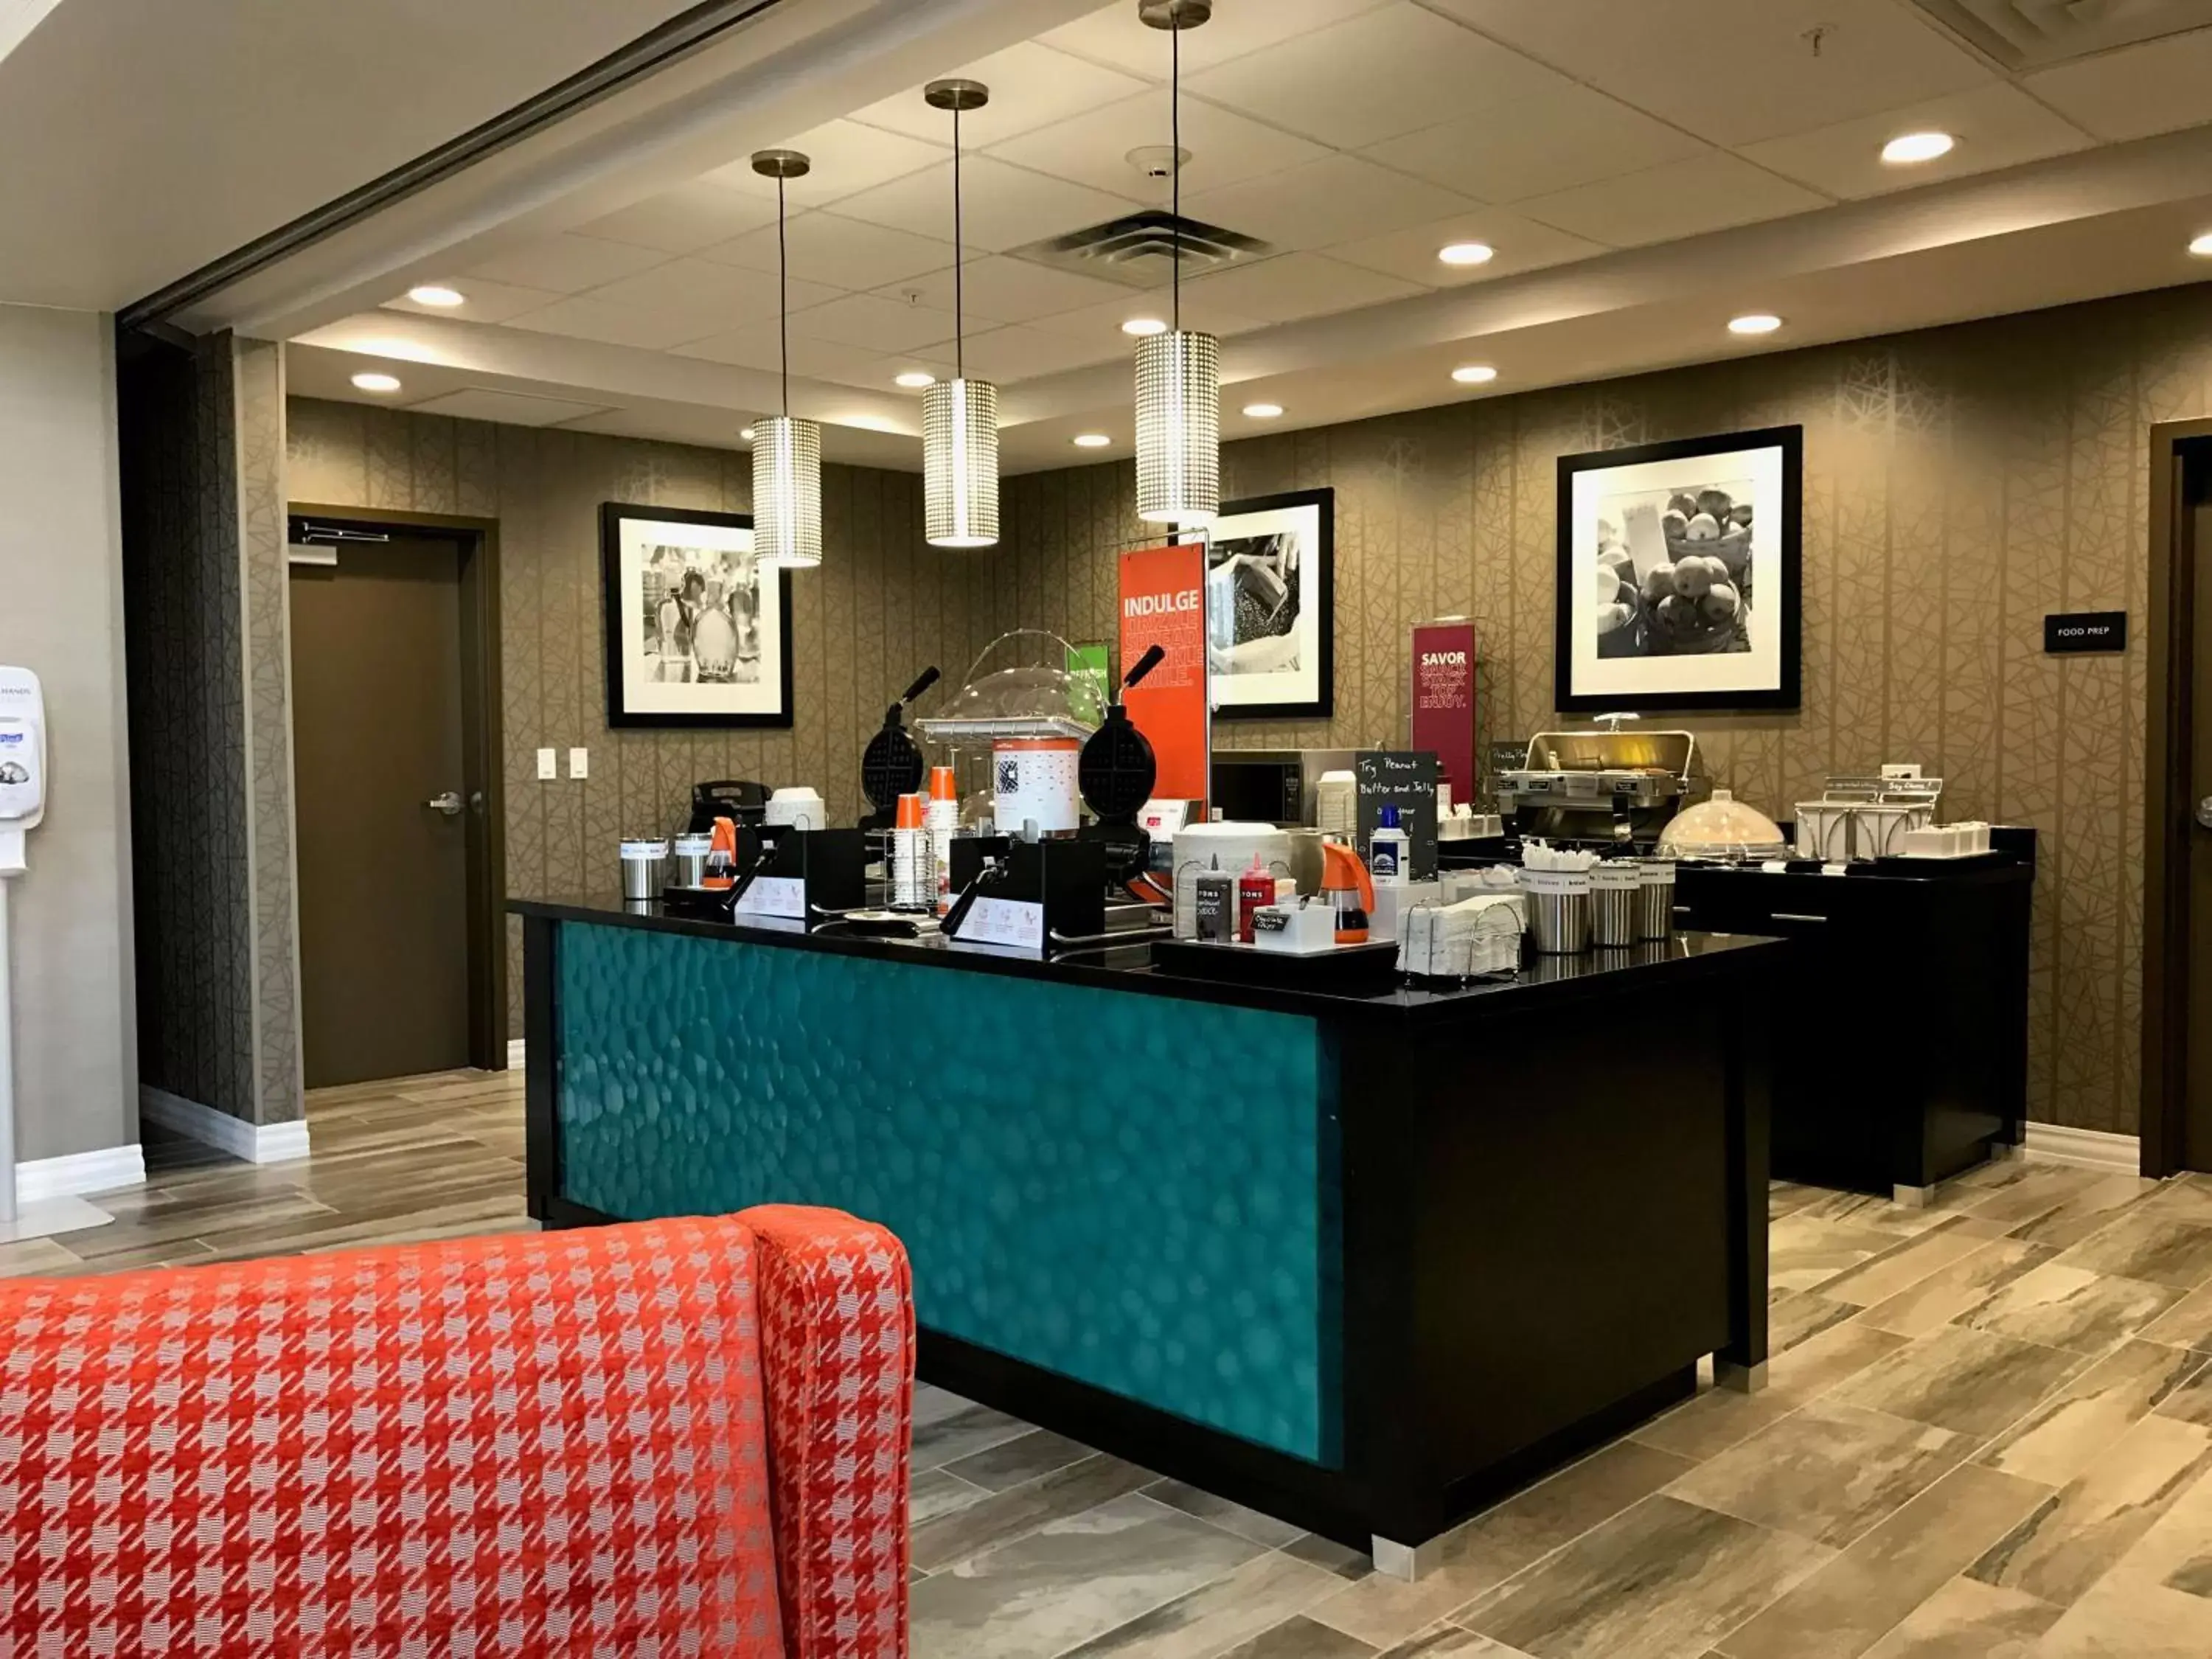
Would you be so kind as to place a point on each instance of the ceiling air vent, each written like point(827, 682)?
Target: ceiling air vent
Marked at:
point(1140, 250)
point(2030, 34)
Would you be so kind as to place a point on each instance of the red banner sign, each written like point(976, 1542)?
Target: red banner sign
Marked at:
point(1164, 603)
point(1443, 701)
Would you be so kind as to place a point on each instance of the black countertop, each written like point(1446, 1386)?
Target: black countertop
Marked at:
point(1542, 981)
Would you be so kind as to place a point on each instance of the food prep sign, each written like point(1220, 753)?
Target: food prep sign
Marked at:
point(2085, 630)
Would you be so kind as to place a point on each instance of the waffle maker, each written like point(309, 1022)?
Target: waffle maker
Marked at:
point(892, 764)
point(1115, 773)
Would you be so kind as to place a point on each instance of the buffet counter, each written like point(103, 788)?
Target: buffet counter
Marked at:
point(1361, 1259)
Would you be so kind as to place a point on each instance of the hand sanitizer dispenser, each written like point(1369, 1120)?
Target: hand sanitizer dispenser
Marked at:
point(22, 804)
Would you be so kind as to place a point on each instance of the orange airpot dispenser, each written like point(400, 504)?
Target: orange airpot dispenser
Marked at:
point(1345, 884)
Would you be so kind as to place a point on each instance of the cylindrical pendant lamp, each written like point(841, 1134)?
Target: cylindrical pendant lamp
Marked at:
point(787, 451)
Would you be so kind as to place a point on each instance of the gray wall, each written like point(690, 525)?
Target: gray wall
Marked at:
point(61, 615)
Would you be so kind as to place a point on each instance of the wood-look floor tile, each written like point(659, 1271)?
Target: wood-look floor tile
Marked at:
point(1975, 1383)
point(1301, 1638)
point(2187, 1323)
point(1956, 1289)
point(1804, 1251)
point(1868, 1211)
point(1026, 1457)
point(280, 1210)
point(1793, 1315)
point(991, 1522)
point(1451, 1642)
point(960, 1432)
point(1339, 1560)
point(2072, 1428)
point(1265, 1592)
point(1967, 1620)
point(1720, 1418)
point(184, 1254)
point(932, 1493)
point(2146, 1245)
point(1841, 1610)
point(2152, 1604)
point(2090, 1210)
point(1660, 1582)
point(1068, 1580)
point(1261, 1529)
point(2061, 1306)
point(2017, 1192)
point(2192, 1402)
point(1785, 1196)
point(32, 1256)
point(1827, 1473)
point(2184, 1198)
point(1898, 1270)
point(2073, 1537)
point(1485, 1551)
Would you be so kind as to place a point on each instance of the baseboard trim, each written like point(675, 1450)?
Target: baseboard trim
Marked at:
point(256, 1143)
point(2093, 1149)
point(107, 1171)
point(514, 1054)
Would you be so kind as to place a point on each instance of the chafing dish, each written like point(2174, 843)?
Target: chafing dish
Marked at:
point(1613, 787)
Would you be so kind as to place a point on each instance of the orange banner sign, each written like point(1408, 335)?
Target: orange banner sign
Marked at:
point(1164, 603)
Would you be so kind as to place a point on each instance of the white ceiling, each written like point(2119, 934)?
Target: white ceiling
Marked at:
point(1597, 145)
point(147, 137)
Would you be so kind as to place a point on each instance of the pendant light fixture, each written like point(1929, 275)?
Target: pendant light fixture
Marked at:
point(1178, 372)
point(786, 451)
point(959, 416)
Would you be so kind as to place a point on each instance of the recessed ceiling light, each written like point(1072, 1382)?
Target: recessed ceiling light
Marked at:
point(436, 294)
point(1757, 322)
point(369, 380)
point(1474, 374)
point(2201, 246)
point(1909, 147)
point(1466, 253)
point(745, 433)
point(1141, 326)
point(1091, 441)
point(1263, 411)
point(915, 379)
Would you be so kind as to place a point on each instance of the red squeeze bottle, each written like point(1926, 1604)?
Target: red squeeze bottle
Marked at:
point(1256, 887)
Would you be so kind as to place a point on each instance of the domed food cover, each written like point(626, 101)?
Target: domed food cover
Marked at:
point(1019, 687)
point(1723, 829)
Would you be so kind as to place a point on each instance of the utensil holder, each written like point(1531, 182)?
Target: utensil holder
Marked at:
point(1654, 900)
point(1615, 891)
point(1559, 911)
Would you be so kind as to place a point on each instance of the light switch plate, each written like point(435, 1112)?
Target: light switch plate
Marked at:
point(548, 764)
point(579, 762)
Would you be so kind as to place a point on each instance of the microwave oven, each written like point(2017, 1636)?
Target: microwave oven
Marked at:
point(1271, 785)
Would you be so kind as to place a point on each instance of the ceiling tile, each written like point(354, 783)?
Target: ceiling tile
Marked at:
point(702, 284)
point(1093, 148)
point(1565, 136)
point(1102, 322)
point(1003, 290)
point(847, 158)
point(1322, 202)
point(869, 321)
point(2158, 87)
point(849, 253)
point(1003, 206)
point(1736, 71)
point(1394, 69)
point(757, 347)
point(487, 301)
point(566, 264)
point(684, 220)
point(510, 407)
point(1295, 285)
point(1115, 35)
point(1664, 203)
point(1521, 244)
point(1996, 126)
point(1006, 355)
point(626, 326)
point(1031, 86)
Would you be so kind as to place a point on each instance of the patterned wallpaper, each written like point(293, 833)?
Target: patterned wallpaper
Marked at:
point(884, 606)
point(1960, 483)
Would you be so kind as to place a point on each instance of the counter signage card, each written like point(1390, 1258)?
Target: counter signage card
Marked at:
point(2085, 630)
point(1443, 701)
point(1164, 603)
point(775, 895)
point(1405, 779)
point(1013, 922)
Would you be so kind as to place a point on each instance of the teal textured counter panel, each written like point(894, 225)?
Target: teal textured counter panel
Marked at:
point(1139, 1192)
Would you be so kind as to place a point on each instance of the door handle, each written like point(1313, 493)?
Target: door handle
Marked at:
point(2204, 813)
point(449, 803)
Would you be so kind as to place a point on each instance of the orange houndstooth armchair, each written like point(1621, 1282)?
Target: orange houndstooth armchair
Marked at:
point(684, 1438)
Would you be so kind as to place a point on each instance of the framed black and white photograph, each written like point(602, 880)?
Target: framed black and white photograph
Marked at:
point(698, 631)
point(1679, 575)
point(1271, 605)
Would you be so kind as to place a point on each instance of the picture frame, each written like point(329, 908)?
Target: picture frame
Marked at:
point(1270, 606)
point(1663, 636)
point(698, 634)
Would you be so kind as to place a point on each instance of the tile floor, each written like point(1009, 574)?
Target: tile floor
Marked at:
point(1989, 1436)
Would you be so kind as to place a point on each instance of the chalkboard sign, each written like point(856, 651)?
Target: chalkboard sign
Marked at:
point(1406, 780)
